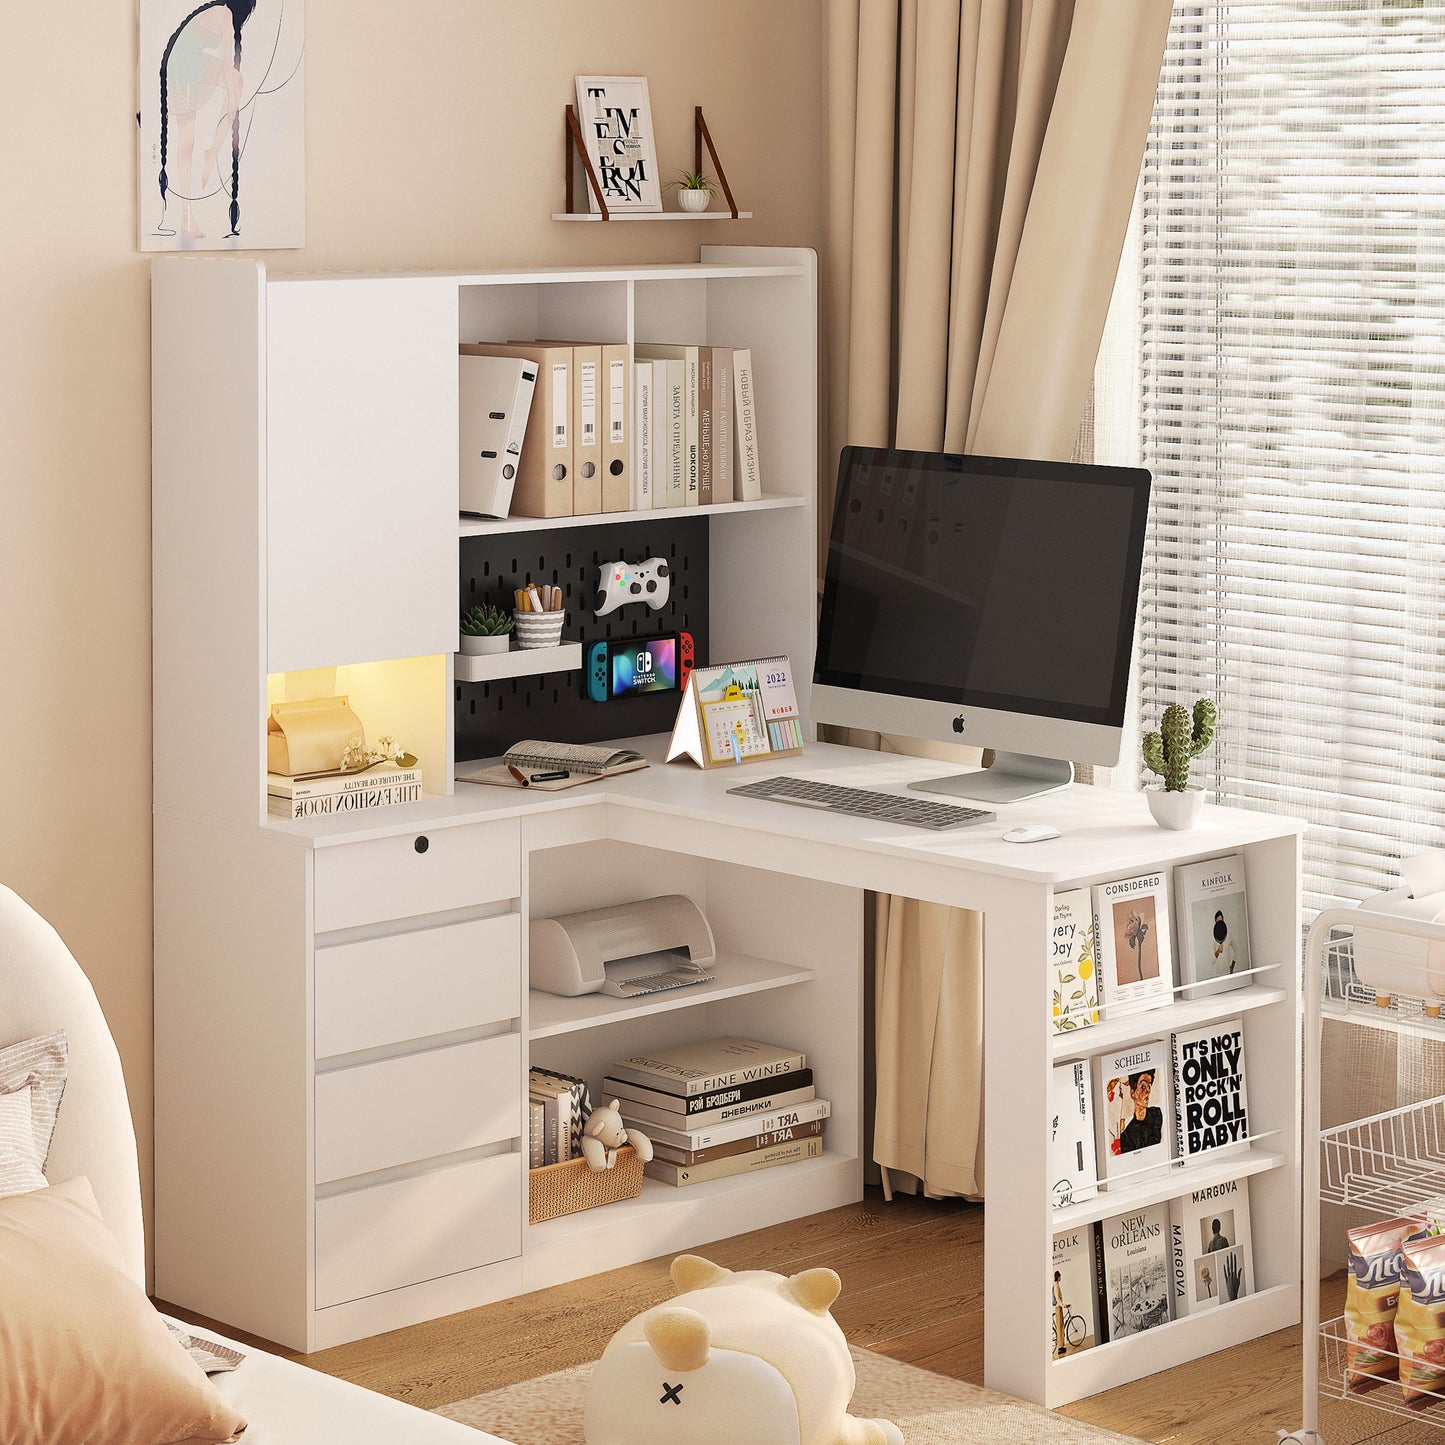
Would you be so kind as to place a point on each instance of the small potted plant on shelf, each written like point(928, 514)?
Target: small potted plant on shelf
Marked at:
point(485, 629)
point(694, 190)
point(1167, 752)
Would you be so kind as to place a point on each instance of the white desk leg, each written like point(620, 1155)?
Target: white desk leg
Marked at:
point(1018, 1241)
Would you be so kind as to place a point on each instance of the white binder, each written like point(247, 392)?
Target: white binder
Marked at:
point(495, 400)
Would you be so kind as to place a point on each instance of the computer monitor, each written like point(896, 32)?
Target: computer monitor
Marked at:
point(983, 600)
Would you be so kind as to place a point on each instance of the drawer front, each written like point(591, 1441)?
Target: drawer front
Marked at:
point(412, 985)
point(416, 873)
point(419, 1106)
point(412, 1230)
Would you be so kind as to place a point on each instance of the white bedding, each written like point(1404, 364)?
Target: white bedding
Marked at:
point(287, 1404)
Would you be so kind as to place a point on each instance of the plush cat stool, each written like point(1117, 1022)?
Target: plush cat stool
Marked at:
point(750, 1356)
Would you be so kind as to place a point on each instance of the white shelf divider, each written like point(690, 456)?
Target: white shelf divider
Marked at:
point(737, 974)
point(490, 526)
point(520, 662)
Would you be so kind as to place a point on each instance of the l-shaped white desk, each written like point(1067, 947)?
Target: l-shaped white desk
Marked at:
point(314, 1179)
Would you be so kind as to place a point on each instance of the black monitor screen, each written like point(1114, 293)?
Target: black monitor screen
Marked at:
point(985, 581)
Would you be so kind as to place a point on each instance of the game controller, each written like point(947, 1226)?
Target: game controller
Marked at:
point(596, 673)
point(619, 583)
point(686, 654)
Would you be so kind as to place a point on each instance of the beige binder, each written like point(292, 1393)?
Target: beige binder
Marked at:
point(587, 412)
point(616, 428)
point(544, 472)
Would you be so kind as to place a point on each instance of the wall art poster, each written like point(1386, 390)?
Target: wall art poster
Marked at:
point(616, 120)
point(221, 113)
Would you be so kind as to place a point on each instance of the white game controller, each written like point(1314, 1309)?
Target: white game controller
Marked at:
point(620, 582)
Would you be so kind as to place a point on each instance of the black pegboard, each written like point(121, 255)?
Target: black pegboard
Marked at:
point(491, 716)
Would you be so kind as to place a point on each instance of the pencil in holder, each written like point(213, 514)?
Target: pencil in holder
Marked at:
point(538, 629)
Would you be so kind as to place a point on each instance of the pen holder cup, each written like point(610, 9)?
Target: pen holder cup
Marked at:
point(538, 629)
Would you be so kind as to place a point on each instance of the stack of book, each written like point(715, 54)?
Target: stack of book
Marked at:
point(332, 793)
point(720, 1107)
point(557, 1108)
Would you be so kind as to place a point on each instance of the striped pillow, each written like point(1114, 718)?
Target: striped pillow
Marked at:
point(32, 1080)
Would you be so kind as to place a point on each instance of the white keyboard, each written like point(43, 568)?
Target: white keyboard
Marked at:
point(864, 803)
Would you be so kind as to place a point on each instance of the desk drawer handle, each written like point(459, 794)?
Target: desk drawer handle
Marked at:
point(422, 843)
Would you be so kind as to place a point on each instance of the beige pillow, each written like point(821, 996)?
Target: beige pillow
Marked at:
point(84, 1357)
point(32, 1080)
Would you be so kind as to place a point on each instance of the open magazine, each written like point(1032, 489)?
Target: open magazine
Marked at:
point(549, 767)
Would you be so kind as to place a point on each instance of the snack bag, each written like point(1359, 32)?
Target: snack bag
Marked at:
point(1420, 1321)
point(1371, 1299)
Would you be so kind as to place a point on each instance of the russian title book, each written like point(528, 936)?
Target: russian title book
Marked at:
point(747, 474)
point(705, 440)
point(1071, 1150)
point(642, 444)
point(708, 1064)
point(685, 1174)
point(722, 424)
point(1073, 1292)
point(1213, 925)
point(646, 1116)
point(1075, 963)
point(1211, 1110)
point(1131, 929)
point(684, 1106)
point(1211, 1255)
point(1132, 1254)
point(765, 1139)
point(708, 1136)
point(1134, 1111)
point(687, 360)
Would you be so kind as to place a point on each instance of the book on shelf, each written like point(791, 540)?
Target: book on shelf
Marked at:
point(1071, 1151)
point(1211, 1108)
point(642, 438)
point(672, 426)
point(536, 1133)
point(687, 359)
point(581, 762)
point(1075, 963)
point(380, 792)
point(766, 1139)
point(1133, 1106)
point(1213, 918)
point(566, 1103)
point(1132, 935)
point(688, 1105)
point(1131, 1255)
point(704, 426)
point(1073, 1291)
point(644, 1115)
point(312, 785)
point(708, 1136)
point(722, 424)
point(707, 1064)
point(1211, 1253)
point(682, 1175)
point(747, 484)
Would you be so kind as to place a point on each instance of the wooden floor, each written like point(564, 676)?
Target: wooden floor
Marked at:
point(912, 1276)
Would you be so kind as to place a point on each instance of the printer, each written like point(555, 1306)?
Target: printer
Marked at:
point(1393, 963)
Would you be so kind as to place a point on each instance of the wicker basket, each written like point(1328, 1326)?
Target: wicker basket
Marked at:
point(558, 1189)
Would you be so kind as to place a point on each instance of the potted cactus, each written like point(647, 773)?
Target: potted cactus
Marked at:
point(1167, 752)
point(485, 629)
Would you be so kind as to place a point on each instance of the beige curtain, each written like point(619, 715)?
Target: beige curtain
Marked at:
point(983, 156)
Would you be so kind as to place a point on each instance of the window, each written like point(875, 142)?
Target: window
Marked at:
point(1290, 285)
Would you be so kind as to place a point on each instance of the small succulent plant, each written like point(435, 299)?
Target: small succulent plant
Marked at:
point(692, 181)
point(484, 620)
point(1179, 738)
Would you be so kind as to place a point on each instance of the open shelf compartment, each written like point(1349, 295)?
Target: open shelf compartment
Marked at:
point(1385, 1396)
point(1390, 1164)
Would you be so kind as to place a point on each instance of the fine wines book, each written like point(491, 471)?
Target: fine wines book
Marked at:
point(684, 1174)
point(1073, 1292)
point(683, 1107)
point(1132, 1253)
point(1134, 1110)
point(1211, 1254)
point(708, 1064)
point(1076, 975)
point(1211, 1110)
point(746, 1145)
point(1213, 925)
point(647, 1117)
point(1074, 1172)
point(696, 1136)
point(1131, 927)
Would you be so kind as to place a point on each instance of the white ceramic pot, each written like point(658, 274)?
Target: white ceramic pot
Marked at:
point(485, 646)
point(693, 200)
point(1178, 811)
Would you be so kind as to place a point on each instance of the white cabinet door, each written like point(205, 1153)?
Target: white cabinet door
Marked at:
point(361, 470)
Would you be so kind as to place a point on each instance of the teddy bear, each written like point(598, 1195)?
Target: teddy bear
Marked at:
point(605, 1133)
point(737, 1356)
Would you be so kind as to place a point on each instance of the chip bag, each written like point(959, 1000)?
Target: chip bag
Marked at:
point(1420, 1321)
point(1371, 1300)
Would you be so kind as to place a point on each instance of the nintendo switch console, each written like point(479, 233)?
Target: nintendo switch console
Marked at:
point(621, 582)
point(638, 666)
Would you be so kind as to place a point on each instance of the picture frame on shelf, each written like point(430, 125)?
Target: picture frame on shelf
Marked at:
point(615, 116)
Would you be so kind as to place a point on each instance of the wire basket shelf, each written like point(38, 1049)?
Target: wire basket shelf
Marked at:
point(1343, 995)
point(1390, 1164)
point(1335, 1377)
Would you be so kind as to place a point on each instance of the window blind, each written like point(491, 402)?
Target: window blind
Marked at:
point(1291, 354)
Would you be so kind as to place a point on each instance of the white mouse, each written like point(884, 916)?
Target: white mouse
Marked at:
point(1030, 833)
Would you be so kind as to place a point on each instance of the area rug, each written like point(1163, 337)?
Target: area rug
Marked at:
point(930, 1409)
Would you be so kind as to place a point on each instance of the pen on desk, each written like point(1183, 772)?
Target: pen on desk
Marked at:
point(549, 777)
point(517, 773)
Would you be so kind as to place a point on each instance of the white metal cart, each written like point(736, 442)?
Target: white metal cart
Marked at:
point(1387, 1164)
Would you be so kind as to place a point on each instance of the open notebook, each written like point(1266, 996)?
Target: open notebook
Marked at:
point(537, 762)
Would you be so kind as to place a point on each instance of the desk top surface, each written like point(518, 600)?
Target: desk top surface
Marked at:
point(1100, 830)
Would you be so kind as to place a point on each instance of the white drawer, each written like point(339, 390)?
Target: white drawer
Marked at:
point(415, 873)
point(411, 985)
point(418, 1106)
point(411, 1230)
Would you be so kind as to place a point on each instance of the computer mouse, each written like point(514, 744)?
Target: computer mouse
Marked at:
point(1030, 833)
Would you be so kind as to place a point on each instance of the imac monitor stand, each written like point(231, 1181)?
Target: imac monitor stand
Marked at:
point(988, 601)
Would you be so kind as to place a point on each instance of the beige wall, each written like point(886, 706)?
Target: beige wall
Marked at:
point(433, 141)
